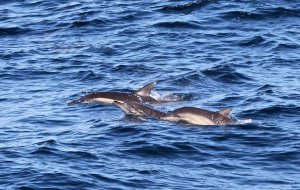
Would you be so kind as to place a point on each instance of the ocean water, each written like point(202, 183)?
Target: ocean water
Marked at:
point(211, 54)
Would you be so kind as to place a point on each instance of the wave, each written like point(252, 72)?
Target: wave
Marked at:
point(26, 74)
point(124, 131)
point(262, 14)
point(186, 8)
point(48, 142)
point(153, 150)
point(116, 181)
point(51, 151)
point(178, 24)
point(135, 69)
point(225, 73)
point(12, 31)
point(286, 47)
point(266, 89)
point(276, 111)
point(279, 110)
point(81, 23)
point(254, 41)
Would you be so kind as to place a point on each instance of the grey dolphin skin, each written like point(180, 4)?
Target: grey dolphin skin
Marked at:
point(141, 95)
point(190, 115)
point(200, 116)
point(137, 109)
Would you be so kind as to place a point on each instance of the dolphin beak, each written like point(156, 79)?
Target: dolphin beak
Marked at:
point(73, 102)
point(118, 102)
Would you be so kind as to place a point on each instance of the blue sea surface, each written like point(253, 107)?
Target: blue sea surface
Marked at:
point(212, 53)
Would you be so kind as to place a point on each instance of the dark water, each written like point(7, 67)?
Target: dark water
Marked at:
point(240, 54)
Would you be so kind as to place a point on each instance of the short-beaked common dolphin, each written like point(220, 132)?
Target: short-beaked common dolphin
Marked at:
point(200, 116)
point(190, 115)
point(137, 109)
point(141, 95)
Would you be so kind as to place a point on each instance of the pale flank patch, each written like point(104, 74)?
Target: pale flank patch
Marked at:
point(196, 119)
point(104, 100)
point(171, 118)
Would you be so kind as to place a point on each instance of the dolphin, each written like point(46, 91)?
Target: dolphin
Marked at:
point(200, 116)
point(141, 95)
point(137, 109)
point(190, 115)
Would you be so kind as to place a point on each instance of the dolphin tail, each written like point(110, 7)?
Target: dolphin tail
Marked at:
point(146, 90)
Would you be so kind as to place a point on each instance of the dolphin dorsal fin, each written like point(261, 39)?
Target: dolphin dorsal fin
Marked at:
point(225, 112)
point(146, 90)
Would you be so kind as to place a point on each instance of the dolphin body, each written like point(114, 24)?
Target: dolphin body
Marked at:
point(200, 116)
point(141, 95)
point(190, 115)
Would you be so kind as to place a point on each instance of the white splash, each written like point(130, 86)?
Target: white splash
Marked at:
point(167, 96)
point(244, 121)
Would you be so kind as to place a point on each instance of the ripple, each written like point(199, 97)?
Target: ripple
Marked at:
point(47, 142)
point(13, 31)
point(243, 15)
point(266, 89)
point(283, 47)
point(185, 146)
point(136, 69)
point(226, 74)
point(54, 152)
point(279, 110)
point(262, 14)
point(114, 180)
point(153, 151)
point(3, 99)
point(281, 12)
point(45, 151)
point(285, 156)
point(188, 7)
point(105, 178)
point(178, 24)
point(82, 155)
point(257, 40)
point(95, 22)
